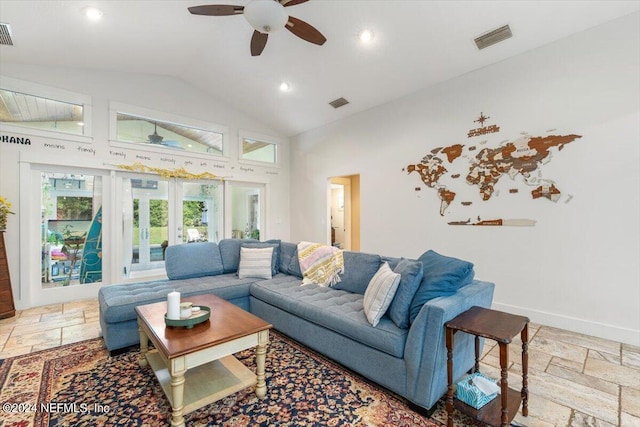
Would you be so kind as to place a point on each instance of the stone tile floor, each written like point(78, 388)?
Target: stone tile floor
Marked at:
point(574, 379)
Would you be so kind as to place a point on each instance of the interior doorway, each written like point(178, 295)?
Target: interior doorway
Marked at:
point(344, 212)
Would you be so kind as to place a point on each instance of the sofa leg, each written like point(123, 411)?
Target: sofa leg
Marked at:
point(427, 413)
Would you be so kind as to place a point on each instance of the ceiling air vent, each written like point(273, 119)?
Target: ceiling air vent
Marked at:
point(337, 103)
point(493, 37)
point(5, 34)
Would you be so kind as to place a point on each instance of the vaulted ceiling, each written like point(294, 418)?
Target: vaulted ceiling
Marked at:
point(416, 44)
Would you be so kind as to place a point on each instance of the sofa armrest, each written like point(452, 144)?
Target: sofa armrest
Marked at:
point(425, 350)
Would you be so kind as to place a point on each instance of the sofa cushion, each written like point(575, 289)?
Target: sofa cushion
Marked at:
point(359, 269)
point(442, 276)
point(380, 293)
point(287, 251)
point(275, 258)
point(193, 260)
point(118, 302)
point(230, 252)
point(255, 262)
point(411, 275)
point(392, 261)
point(294, 265)
point(337, 310)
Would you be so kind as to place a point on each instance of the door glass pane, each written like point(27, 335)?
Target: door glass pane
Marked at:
point(145, 226)
point(245, 212)
point(71, 229)
point(200, 212)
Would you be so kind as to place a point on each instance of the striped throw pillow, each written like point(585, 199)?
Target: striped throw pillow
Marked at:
point(255, 262)
point(379, 293)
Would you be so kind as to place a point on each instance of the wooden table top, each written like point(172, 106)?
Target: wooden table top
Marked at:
point(226, 323)
point(493, 324)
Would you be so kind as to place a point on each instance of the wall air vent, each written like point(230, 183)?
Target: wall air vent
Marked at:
point(5, 35)
point(337, 103)
point(494, 36)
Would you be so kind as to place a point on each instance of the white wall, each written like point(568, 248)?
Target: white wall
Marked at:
point(578, 267)
point(158, 93)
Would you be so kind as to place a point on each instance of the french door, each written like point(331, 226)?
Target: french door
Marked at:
point(160, 212)
point(94, 226)
point(70, 226)
point(149, 225)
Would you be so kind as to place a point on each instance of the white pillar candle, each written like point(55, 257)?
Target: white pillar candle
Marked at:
point(173, 305)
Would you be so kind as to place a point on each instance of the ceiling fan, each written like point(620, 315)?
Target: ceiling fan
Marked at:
point(265, 16)
point(157, 139)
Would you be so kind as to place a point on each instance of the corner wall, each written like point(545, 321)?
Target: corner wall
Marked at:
point(578, 267)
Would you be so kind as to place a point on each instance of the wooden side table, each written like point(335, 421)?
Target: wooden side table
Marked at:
point(501, 327)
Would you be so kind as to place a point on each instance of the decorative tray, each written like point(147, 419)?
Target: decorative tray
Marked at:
point(189, 322)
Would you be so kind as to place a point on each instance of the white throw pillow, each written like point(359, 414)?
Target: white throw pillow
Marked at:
point(255, 262)
point(380, 292)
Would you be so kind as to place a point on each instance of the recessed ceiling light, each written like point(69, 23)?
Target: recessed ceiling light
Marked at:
point(285, 87)
point(93, 14)
point(366, 36)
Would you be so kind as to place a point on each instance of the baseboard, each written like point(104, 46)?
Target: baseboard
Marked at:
point(582, 326)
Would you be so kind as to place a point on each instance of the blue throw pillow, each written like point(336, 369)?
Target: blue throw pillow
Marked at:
point(410, 277)
point(275, 256)
point(189, 260)
point(442, 276)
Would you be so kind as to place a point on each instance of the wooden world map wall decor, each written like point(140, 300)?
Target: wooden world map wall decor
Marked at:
point(483, 167)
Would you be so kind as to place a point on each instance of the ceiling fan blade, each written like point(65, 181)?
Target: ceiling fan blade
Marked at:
point(216, 10)
point(258, 42)
point(305, 31)
point(286, 3)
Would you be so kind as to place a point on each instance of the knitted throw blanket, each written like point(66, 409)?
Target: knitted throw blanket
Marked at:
point(321, 264)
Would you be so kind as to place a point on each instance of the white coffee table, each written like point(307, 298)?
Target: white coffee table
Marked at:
point(196, 367)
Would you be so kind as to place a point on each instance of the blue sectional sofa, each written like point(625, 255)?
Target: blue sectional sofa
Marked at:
point(405, 352)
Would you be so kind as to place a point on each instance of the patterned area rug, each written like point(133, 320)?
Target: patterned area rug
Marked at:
point(80, 385)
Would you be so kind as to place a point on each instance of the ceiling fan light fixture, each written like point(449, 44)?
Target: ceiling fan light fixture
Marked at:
point(266, 16)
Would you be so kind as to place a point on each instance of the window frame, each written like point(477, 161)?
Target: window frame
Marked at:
point(269, 139)
point(54, 94)
point(150, 114)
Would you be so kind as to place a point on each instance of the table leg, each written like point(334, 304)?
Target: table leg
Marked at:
point(524, 335)
point(504, 383)
point(261, 352)
point(476, 368)
point(449, 339)
point(177, 398)
point(144, 346)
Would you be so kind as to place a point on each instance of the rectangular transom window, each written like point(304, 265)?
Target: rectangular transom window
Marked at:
point(259, 151)
point(35, 112)
point(159, 133)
